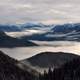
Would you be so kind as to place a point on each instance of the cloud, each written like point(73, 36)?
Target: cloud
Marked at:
point(22, 11)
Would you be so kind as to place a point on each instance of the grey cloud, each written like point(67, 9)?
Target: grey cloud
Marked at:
point(21, 11)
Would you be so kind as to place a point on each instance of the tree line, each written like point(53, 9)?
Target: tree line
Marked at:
point(68, 71)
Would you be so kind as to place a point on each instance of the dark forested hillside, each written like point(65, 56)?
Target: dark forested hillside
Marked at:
point(61, 66)
point(50, 59)
point(9, 70)
point(68, 71)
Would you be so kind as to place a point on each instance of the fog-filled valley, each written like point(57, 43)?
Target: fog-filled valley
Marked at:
point(39, 39)
point(41, 49)
point(26, 40)
point(26, 52)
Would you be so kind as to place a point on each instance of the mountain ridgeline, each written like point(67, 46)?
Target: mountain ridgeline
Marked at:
point(69, 69)
point(10, 71)
point(60, 65)
point(19, 28)
point(50, 59)
point(64, 28)
point(7, 41)
point(65, 32)
point(45, 65)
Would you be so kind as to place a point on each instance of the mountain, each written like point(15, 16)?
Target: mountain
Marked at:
point(43, 61)
point(66, 66)
point(10, 71)
point(31, 25)
point(23, 27)
point(66, 28)
point(68, 32)
point(35, 26)
point(65, 32)
point(7, 41)
point(9, 28)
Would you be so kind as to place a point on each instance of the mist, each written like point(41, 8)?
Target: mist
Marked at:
point(26, 52)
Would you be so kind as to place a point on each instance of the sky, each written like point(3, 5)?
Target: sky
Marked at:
point(42, 11)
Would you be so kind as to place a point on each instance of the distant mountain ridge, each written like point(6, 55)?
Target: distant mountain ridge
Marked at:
point(64, 32)
point(66, 28)
point(7, 41)
point(9, 28)
point(56, 28)
point(21, 27)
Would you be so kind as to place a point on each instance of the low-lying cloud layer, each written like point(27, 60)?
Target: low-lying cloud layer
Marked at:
point(21, 53)
point(46, 11)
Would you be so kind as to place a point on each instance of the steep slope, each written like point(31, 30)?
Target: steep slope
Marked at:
point(7, 41)
point(10, 71)
point(49, 59)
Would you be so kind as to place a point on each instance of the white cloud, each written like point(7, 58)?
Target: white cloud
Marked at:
point(56, 11)
point(19, 6)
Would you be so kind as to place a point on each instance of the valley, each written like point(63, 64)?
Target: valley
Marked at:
point(26, 52)
point(41, 51)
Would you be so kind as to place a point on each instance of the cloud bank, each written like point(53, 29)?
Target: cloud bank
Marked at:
point(45, 11)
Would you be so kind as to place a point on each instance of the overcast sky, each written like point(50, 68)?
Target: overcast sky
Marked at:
point(45, 11)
